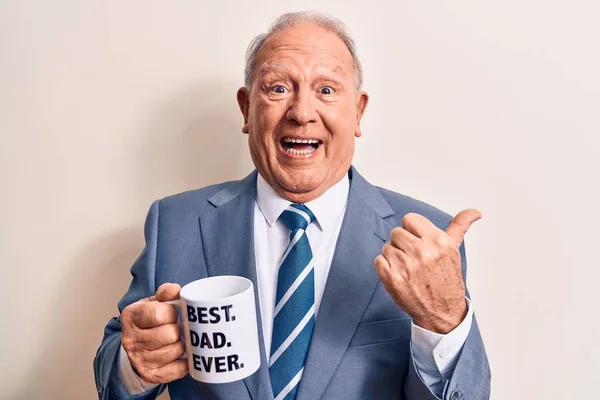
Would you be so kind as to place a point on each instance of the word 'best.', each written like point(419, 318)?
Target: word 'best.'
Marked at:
point(210, 315)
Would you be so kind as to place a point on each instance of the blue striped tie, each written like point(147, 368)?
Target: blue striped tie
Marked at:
point(294, 306)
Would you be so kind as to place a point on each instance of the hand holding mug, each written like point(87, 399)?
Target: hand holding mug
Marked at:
point(219, 325)
point(151, 336)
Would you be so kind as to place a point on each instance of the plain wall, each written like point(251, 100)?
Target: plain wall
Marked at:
point(106, 106)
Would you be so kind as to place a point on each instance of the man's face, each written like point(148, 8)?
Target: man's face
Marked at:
point(302, 112)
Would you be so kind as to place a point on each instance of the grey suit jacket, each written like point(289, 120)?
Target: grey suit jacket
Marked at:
point(360, 348)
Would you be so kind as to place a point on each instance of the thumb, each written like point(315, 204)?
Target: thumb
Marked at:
point(166, 292)
point(461, 223)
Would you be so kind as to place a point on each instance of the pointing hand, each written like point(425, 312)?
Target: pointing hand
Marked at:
point(420, 268)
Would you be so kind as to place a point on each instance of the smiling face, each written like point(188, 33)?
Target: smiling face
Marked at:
point(303, 111)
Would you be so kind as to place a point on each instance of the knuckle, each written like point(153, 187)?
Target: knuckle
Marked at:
point(381, 268)
point(385, 247)
point(395, 282)
point(426, 256)
point(127, 312)
point(177, 351)
point(171, 313)
point(128, 342)
point(154, 315)
point(183, 369)
point(442, 241)
point(132, 313)
point(168, 355)
point(156, 378)
point(142, 315)
point(155, 358)
point(388, 250)
point(173, 333)
point(410, 218)
point(159, 375)
point(128, 317)
point(396, 233)
point(146, 374)
point(138, 360)
point(144, 357)
point(165, 313)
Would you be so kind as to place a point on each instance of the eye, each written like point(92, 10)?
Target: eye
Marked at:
point(326, 90)
point(279, 89)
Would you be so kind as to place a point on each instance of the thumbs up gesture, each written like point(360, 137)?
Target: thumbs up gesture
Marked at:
point(420, 268)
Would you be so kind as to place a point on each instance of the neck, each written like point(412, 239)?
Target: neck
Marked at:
point(307, 196)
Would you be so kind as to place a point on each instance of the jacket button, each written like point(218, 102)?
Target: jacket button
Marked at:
point(455, 395)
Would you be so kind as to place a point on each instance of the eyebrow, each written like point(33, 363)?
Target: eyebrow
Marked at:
point(277, 67)
point(336, 69)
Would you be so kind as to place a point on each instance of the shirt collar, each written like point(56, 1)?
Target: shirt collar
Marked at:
point(326, 207)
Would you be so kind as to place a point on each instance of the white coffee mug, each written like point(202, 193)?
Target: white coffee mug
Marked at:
point(220, 328)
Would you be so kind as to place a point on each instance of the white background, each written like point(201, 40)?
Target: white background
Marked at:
point(108, 105)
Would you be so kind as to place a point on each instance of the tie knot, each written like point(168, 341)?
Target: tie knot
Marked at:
point(297, 216)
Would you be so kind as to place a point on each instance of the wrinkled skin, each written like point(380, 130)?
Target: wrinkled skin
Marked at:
point(303, 88)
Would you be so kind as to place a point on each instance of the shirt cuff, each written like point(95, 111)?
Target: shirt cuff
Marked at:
point(437, 352)
point(132, 382)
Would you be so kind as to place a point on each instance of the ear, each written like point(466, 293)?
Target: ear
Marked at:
point(361, 105)
point(243, 99)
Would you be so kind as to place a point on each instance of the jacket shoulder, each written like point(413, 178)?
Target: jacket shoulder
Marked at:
point(403, 204)
point(196, 201)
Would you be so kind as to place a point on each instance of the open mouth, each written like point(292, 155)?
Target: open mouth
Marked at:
point(300, 147)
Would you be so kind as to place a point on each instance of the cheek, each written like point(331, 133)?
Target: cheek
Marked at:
point(340, 122)
point(341, 126)
point(266, 116)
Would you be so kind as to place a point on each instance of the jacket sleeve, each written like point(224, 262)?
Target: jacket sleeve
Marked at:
point(142, 285)
point(471, 378)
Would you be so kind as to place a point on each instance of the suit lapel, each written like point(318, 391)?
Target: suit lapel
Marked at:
point(228, 241)
point(350, 284)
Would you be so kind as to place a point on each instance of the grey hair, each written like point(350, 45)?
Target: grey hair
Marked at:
point(288, 20)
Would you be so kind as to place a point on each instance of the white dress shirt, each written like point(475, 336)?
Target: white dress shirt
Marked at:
point(435, 355)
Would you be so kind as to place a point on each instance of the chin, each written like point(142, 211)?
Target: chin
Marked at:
point(301, 181)
point(301, 191)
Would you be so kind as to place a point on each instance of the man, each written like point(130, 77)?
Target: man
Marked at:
point(385, 310)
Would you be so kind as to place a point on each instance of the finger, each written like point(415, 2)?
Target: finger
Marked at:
point(167, 373)
point(166, 291)
point(419, 226)
point(404, 240)
point(382, 267)
point(160, 336)
point(394, 256)
point(151, 314)
point(461, 224)
point(164, 355)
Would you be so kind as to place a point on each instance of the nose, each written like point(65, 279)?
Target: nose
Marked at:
point(302, 109)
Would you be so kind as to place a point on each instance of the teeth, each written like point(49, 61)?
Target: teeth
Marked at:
point(294, 140)
point(299, 152)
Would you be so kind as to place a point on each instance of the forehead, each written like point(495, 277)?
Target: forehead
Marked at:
point(306, 46)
